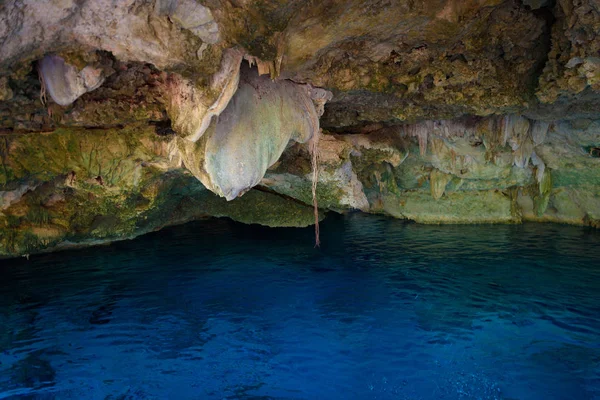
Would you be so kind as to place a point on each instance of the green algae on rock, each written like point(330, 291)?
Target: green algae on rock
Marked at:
point(74, 187)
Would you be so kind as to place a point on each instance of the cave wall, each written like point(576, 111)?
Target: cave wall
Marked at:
point(121, 117)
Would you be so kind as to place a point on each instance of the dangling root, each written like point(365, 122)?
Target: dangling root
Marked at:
point(314, 152)
point(43, 98)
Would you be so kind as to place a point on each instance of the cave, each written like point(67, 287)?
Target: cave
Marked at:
point(288, 199)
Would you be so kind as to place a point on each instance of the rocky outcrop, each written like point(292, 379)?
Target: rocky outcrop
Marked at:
point(120, 117)
point(482, 170)
point(573, 64)
point(168, 34)
point(89, 186)
point(79, 187)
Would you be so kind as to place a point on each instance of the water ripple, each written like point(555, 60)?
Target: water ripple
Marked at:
point(384, 310)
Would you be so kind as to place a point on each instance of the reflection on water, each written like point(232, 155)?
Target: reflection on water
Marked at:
point(384, 310)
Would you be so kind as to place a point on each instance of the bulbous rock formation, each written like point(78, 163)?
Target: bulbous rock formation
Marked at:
point(192, 108)
point(252, 132)
point(64, 82)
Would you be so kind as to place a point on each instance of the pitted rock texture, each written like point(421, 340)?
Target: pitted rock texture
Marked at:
point(117, 116)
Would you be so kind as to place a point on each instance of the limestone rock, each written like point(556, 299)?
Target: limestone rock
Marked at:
point(129, 29)
point(191, 108)
point(444, 112)
point(251, 133)
point(53, 199)
point(573, 64)
point(191, 15)
point(438, 181)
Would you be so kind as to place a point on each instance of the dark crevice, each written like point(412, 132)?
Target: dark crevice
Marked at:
point(265, 189)
point(545, 13)
point(593, 151)
point(457, 57)
point(7, 131)
point(163, 128)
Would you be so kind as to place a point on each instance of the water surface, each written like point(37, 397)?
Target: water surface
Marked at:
point(384, 310)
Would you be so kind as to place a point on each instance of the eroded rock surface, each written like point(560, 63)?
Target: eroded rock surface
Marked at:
point(120, 117)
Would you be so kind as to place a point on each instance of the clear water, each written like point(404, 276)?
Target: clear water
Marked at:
point(384, 310)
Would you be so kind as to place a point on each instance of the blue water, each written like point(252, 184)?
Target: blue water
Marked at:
point(384, 310)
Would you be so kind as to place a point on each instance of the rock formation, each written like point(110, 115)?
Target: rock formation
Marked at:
point(120, 117)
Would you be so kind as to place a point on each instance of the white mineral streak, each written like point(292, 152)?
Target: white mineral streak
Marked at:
point(518, 135)
point(421, 131)
point(264, 67)
point(539, 129)
point(541, 166)
point(438, 181)
point(226, 80)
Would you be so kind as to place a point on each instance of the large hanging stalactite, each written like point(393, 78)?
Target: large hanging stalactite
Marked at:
point(250, 134)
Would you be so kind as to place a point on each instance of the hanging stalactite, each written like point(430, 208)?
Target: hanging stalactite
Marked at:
point(64, 82)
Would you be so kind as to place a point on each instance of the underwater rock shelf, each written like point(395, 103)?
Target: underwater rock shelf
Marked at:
point(120, 119)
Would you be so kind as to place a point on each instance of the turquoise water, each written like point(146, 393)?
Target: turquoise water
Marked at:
point(384, 310)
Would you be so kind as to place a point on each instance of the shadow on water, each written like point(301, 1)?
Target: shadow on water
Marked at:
point(384, 309)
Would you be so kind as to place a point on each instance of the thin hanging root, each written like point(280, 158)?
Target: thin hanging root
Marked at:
point(43, 98)
point(314, 152)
